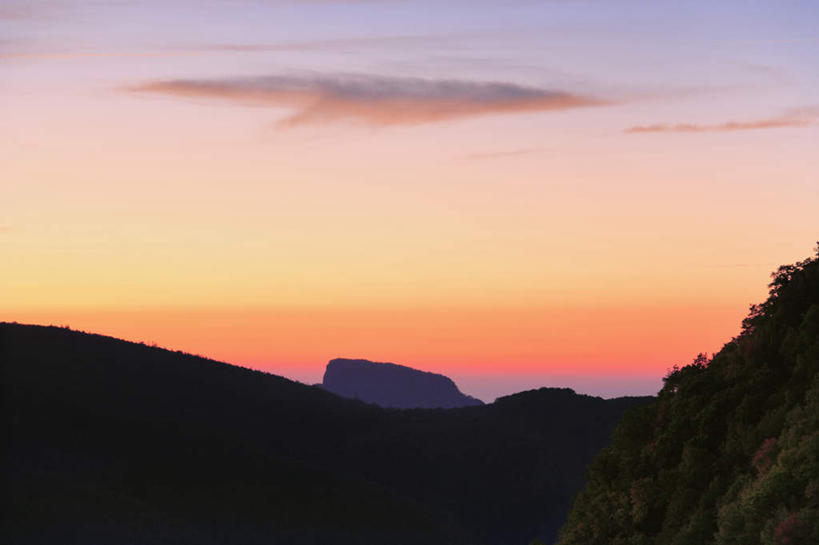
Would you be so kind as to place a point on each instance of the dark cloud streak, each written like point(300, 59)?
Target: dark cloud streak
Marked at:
point(374, 100)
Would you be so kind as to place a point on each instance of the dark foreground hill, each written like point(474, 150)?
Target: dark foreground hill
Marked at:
point(116, 442)
point(392, 385)
point(729, 452)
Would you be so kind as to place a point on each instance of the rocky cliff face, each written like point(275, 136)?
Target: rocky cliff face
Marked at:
point(391, 385)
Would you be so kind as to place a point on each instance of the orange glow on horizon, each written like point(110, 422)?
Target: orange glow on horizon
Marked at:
point(637, 341)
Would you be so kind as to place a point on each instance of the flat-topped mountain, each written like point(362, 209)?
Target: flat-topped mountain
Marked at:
point(393, 385)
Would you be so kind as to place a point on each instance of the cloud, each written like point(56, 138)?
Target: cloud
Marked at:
point(17, 10)
point(195, 50)
point(803, 117)
point(374, 100)
point(501, 154)
point(331, 44)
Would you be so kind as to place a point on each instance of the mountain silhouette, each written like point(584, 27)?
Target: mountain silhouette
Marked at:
point(728, 454)
point(117, 442)
point(392, 385)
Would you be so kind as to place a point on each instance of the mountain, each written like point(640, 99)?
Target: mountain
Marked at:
point(728, 454)
point(392, 385)
point(115, 442)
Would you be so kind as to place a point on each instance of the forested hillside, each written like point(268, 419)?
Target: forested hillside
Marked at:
point(117, 442)
point(729, 452)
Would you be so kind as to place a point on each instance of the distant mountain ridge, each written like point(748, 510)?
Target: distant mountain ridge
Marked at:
point(117, 442)
point(393, 386)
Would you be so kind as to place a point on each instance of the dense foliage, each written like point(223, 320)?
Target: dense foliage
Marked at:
point(116, 442)
point(728, 454)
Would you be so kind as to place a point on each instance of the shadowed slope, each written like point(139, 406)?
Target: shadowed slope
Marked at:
point(114, 442)
point(120, 442)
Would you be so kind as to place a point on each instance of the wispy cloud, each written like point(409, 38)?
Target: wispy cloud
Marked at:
point(374, 100)
point(803, 117)
point(16, 11)
point(72, 55)
point(500, 154)
point(332, 44)
point(229, 48)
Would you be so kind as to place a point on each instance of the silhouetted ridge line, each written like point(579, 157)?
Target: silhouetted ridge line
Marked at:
point(393, 385)
point(118, 442)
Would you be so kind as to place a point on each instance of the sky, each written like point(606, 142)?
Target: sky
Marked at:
point(514, 193)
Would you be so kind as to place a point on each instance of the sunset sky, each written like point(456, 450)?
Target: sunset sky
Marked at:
point(515, 193)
